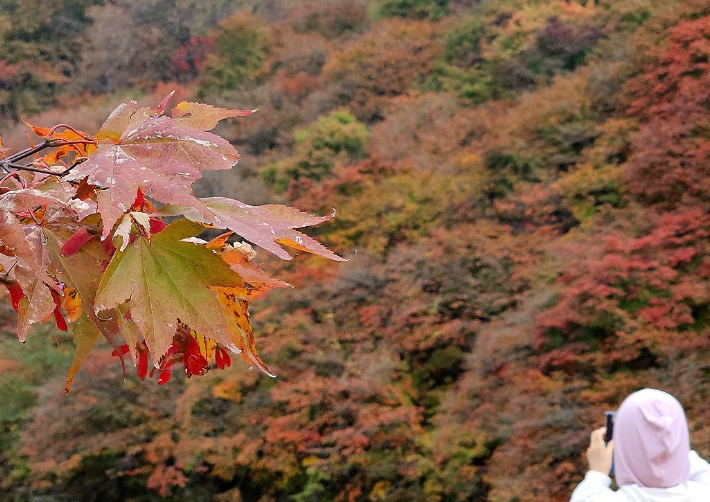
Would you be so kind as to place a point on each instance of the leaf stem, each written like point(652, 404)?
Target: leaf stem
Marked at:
point(66, 126)
point(52, 143)
point(18, 179)
point(29, 168)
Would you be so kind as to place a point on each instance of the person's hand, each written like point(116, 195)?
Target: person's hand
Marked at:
point(600, 455)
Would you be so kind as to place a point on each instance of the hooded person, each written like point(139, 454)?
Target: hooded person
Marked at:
point(651, 452)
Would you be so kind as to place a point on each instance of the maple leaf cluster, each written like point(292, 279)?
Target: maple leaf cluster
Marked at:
point(82, 243)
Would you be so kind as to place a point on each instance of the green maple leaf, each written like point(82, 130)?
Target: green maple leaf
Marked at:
point(85, 335)
point(165, 279)
point(82, 272)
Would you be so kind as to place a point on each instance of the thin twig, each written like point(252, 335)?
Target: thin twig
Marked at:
point(77, 161)
point(29, 168)
point(10, 163)
point(7, 274)
point(27, 152)
point(23, 154)
point(34, 218)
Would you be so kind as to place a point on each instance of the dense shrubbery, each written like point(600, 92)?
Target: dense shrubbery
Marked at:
point(238, 52)
point(415, 9)
point(493, 57)
point(335, 139)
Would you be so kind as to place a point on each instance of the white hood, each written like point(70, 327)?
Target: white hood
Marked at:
point(690, 491)
point(596, 487)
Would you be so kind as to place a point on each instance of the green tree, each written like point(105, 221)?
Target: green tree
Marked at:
point(239, 51)
point(336, 138)
point(412, 9)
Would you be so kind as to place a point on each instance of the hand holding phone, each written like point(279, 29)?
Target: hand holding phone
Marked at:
point(599, 454)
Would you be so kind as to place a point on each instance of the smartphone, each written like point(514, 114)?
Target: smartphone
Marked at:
point(609, 417)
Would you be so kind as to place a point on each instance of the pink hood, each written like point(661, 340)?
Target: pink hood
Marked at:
point(651, 443)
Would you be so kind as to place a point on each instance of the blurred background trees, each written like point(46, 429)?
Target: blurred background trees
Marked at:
point(523, 186)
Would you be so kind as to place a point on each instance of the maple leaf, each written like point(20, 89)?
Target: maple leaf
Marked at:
point(125, 116)
point(235, 301)
point(36, 302)
point(36, 306)
point(13, 288)
point(123, 231)
point(76, 138)
point(14, 235)
point(239, 257)
point(81, 273)
point(240, 327)
point(165, 280)
point(156, 154)
point(77, 241)
point(71, 301)
point(204, 117)
point(266, 226)
point(85, 335)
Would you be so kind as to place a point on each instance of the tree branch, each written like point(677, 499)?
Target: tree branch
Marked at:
point(10, 163)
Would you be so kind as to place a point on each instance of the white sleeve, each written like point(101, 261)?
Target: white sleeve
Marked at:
point(699, 469)
point(595, 488)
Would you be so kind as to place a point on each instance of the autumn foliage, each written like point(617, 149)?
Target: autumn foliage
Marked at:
point(522, 187)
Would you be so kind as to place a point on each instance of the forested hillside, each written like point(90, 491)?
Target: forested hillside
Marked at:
point(523, 187)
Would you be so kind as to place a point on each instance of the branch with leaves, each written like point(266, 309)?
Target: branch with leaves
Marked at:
point(82, 243)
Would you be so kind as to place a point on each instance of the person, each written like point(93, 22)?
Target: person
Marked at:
point(651, 453)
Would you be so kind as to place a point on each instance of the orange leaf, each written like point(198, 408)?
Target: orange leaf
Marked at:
point(204, 117)
point(71, 301)
point(64, 134)
point(219, 243)
point(232, 299)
